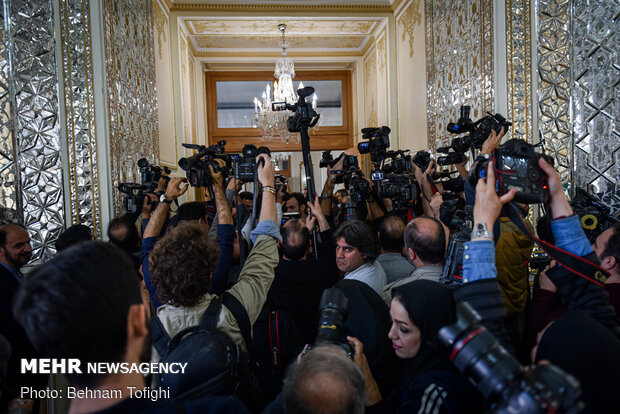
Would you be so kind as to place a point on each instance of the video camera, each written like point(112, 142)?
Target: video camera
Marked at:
point(422, 159)
point(478, 131)
point(197, 166)
point(516, 166)
point(358, 187)
point(333, 310)
point(135, 193)
point(460, 222)
point(594, 215)
point(378, 143)
point(245, 165)
point(150, 174)
point(305, 115)
point(506, 386)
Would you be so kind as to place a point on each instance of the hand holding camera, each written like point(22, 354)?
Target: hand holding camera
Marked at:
point(174, 189)
point(488, 204)
point(218, 177)
point(560, 207)
point(266, 170)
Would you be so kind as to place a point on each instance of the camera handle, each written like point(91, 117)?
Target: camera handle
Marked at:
point(305, 149)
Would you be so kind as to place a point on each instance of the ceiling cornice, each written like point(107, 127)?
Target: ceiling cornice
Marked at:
point(286, 8)
point(347, 53)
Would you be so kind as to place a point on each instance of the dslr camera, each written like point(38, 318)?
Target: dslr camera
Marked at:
point(197, 166)
point(333, 310)
point(502, 380)
point(245, 165)
point(460, 222)
point(150, 174)
point(516, 166)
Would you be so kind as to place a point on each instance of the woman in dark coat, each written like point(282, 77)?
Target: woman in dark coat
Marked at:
point(429, 383)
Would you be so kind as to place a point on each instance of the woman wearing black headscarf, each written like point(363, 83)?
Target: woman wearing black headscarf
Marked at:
point(581, 346)
point(430, 383)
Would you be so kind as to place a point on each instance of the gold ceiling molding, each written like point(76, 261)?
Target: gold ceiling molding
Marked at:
point(289, 8)
point(410, 18)
point(211, 54)
point(267, 27)
point(267, 42)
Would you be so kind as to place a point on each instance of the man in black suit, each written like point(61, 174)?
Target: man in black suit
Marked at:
point(15, 252)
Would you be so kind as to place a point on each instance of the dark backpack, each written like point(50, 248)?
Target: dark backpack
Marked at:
point(215, 364)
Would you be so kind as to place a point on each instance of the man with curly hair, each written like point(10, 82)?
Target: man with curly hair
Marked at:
point(184, 259)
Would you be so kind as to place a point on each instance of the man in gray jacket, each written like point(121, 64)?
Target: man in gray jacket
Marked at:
point(425, 240)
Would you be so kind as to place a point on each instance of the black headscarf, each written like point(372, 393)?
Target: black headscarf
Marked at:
point(430, 306)
point(583, 347)
point(369, 321)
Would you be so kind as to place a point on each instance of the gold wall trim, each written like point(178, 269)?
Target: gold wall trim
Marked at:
point(408, 19)
point(288, 8)
point(519, 70)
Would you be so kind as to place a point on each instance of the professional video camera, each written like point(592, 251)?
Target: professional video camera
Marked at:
point(358, 187)
point(245, 165)
point(506, 386)
point(478, 131)
point(150, 174)
point(461, 225)
point(516, 166)
point(333, 310)
point(378, 143)
point(422, 159)
point(197, 166)
point(134, 196)
point(451, 157)
point(594, 215)
point(135, 193)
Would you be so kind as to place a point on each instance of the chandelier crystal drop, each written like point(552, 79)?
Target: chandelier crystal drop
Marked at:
point(275, 123)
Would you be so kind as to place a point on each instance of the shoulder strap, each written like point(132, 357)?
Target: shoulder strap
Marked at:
point(210, 317)
point(159, 336)
point(241, 315)
point(274, 341)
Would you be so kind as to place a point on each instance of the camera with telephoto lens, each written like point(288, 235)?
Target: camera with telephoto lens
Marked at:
point(478, 131)
point(197, 166)
point(506, 386)
point(358, 188)
point(150, 174)
point(377, 144)
point(516, 166)
point(333, 310)
point(593, 214)
point(460, 223)
point(305, 115)
point(327, 159)
point(400, 162)
point(245, 164)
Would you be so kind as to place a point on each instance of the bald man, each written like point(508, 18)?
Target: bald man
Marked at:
point(425, 241)
point(324, 381)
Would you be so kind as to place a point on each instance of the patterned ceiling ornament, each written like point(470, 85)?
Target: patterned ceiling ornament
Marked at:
point(33, 86)
point(519, 70)
point(77, 65)
point(459, 63)
point(132, 99)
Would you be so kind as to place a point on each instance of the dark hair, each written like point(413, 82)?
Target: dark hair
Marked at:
point(301, 390)
point(76, 306)
point(300, 199)
point(131, 240)
point(430, 247)
point(246, 195)
point(613, 244)
point(181, 264)
point(295, 239)
point(391, 232)
point(358, 234)
point(75, 234)
point(4, 231)
point(191, 211)
point(343, 192)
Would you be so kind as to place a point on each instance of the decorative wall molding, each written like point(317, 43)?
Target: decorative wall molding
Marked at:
point(132, 100)
point(410, 17)
point(519, 70)
point(459, 62)
point(595, 87)
point(33, 87)
point(77, 66)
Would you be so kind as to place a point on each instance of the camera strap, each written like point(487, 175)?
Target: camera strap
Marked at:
point(573, 263)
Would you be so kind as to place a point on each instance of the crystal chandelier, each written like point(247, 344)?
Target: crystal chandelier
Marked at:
point(275, 123)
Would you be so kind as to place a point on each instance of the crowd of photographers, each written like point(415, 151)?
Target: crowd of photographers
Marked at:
point(407, 291)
